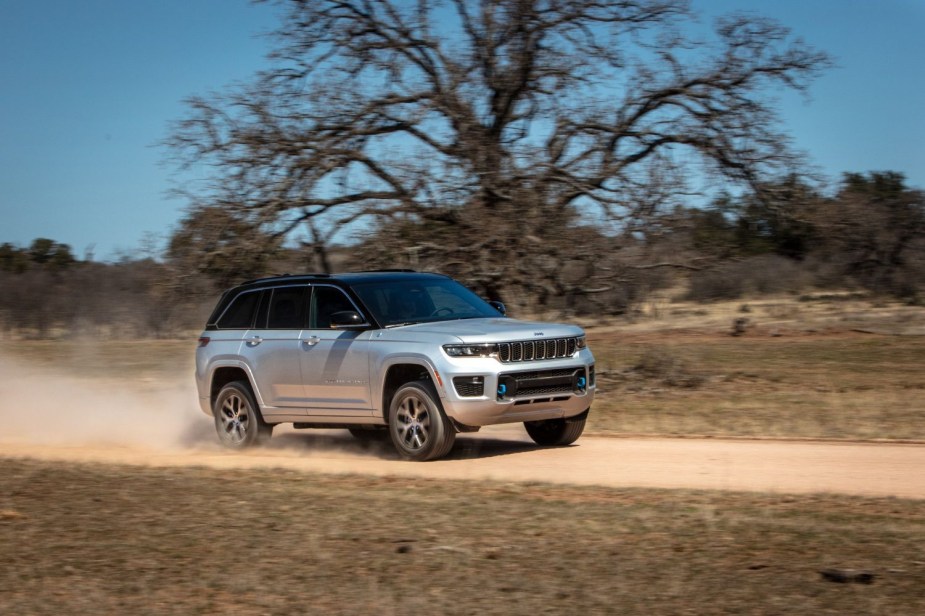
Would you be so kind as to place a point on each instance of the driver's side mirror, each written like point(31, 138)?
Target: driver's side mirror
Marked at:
point(347, 319)
point(498, 306)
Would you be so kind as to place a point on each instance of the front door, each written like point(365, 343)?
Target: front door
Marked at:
point(335, 364)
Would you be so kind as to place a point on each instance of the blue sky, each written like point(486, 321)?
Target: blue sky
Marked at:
point(88, 88)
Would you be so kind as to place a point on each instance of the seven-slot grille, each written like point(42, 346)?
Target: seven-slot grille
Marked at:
point(529, 350)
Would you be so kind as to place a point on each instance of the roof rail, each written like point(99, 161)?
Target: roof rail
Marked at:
point(286, 275)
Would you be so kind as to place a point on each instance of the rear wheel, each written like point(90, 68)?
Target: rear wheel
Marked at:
point(237, 421)
point(555, 432)
point(418, 427)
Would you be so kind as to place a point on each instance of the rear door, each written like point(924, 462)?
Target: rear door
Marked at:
point(273, 347)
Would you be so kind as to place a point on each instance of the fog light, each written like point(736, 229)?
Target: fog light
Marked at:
point(469, 386)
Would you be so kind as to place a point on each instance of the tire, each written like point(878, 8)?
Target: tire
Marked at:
point(237, 420)
point(417, 425)
point(555, 432)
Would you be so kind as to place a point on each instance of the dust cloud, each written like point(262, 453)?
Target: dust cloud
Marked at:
point(44, 406)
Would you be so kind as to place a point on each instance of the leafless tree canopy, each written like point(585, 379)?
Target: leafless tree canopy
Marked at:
point(494, 128)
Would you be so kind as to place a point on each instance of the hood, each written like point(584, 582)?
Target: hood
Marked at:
point(495, 330)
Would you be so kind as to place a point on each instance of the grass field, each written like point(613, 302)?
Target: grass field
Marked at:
point(95, 539)
point(817, 386)
point(827, 366)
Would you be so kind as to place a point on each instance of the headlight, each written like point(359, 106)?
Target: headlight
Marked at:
point(470, 350)
point(581, 342)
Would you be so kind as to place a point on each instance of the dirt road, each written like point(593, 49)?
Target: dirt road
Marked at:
point(506, 454)
point(53, 415)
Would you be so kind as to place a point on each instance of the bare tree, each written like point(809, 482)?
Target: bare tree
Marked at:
point(221, 243)
point(494, 128)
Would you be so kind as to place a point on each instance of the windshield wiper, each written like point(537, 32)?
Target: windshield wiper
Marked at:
point(391, 325)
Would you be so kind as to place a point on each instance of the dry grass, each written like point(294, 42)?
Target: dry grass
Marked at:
point(826, 366)
point(842, 386)
point(93, 539)
point(144, 360)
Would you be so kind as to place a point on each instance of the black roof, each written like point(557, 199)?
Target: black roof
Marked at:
point(345, 279)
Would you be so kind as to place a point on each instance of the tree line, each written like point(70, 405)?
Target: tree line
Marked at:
point(869, 235)
point(47, 292)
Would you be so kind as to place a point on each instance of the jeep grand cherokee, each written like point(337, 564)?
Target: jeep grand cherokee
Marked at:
point(415, 354)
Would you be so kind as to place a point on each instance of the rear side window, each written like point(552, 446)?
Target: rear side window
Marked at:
point(287, 308)
point(240, 314)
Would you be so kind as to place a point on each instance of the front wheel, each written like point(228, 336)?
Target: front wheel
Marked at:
point(237, 420)
point(555, 432)
point(418, 427)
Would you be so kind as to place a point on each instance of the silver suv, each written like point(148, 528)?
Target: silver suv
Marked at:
point(417, 355)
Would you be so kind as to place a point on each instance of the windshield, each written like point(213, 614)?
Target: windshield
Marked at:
point(419, 301)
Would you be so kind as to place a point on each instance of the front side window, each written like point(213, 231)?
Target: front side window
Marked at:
point(325, 302)
point(418, 301)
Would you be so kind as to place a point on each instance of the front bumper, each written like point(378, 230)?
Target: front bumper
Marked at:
point(483, 412)
point(517, 392)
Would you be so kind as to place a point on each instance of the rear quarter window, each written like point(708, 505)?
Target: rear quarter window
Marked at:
point(240, 314)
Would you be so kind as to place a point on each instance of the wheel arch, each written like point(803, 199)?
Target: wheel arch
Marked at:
point(400, 372)
point(228, 373)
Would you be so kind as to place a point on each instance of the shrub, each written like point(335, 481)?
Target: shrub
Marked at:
point(762, 275)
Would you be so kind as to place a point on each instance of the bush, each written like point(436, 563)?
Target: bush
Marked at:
point(660, 365)
point(761, 275)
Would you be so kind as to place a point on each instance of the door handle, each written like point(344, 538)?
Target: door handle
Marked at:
point(254, 341)
point(312, 341)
